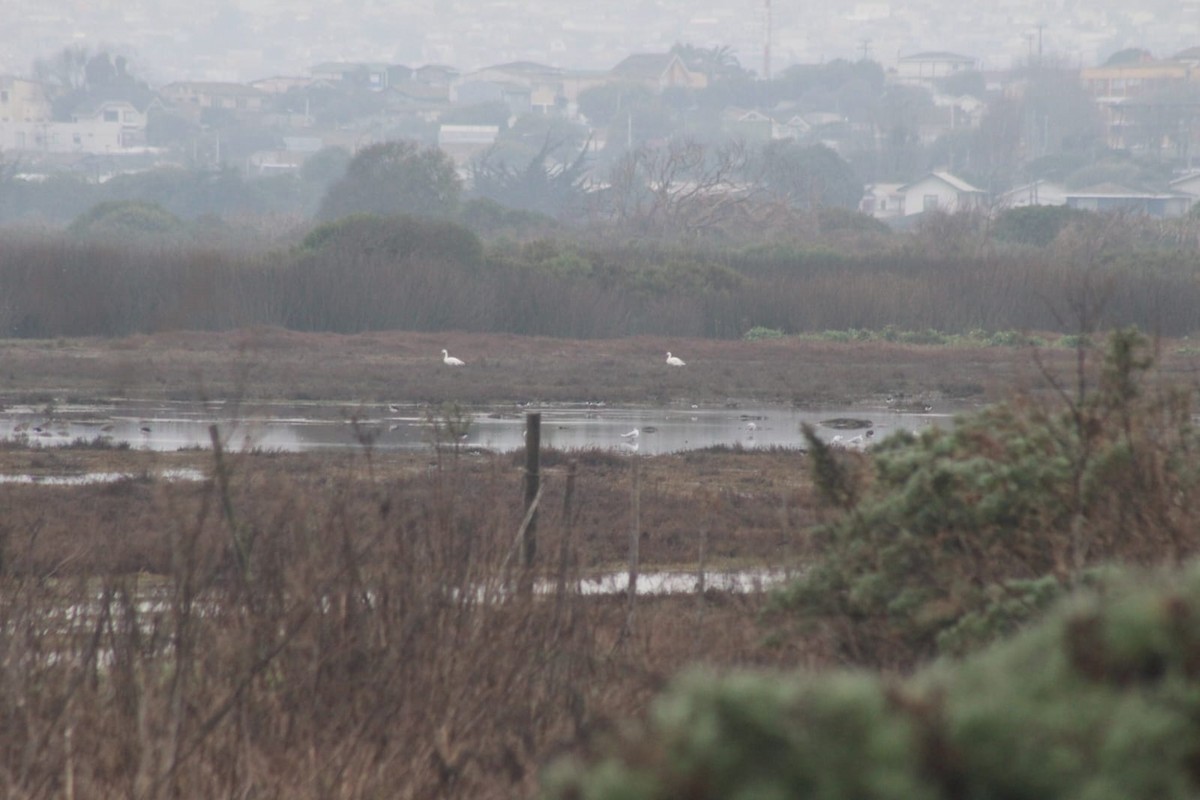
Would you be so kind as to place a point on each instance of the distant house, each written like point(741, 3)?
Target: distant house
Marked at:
point(757, 125)
point(1188, 184)
point(925, 69)
point(882, 200)
point(96, 126)
point(940, 191)
point(368, 74)
point(961, 112)
point(540, 87)
point(1113, 197)
point(791, 126)
point(23, 100)
point(25, 112)
point(281, 84)
point(1036, 193)
point(462, 142)
point(435, 75)
point(1120, 90)
point(658, 71)
point(747, 124)
point(192, 98)
point(130, 121)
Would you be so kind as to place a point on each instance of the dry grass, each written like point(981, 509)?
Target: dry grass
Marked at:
point(341, 627)
point(406, 367)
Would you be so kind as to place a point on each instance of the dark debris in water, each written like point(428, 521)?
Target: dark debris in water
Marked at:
point(847, 423)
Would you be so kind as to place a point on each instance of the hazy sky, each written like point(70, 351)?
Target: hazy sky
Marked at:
point(247, 39)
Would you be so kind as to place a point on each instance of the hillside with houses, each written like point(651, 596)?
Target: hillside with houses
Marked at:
point(935, 131)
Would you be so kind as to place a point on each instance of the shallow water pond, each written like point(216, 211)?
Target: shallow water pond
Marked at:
point(300, 427)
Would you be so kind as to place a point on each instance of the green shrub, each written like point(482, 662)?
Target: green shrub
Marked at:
point(952, 534)
point(122, 220)
point(397, 238)
point(759, 333)
point(1101, 700)
point(1035, 225)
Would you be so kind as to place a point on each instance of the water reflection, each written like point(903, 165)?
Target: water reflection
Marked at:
point(298, 427)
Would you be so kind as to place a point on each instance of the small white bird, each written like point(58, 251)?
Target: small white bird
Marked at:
point(633, 434)
point(675, 361)
point(450, 360)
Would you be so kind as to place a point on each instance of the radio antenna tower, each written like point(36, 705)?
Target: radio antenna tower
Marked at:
point(767, 42)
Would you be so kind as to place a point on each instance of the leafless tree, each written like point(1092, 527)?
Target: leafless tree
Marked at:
point(681, 189)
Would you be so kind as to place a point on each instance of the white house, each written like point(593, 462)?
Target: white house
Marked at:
point(882, 200)
point(1038, 193)
point(1189, 185)
point(940, 191)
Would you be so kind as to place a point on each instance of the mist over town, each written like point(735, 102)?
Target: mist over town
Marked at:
point(625, 401)
point(976, 93)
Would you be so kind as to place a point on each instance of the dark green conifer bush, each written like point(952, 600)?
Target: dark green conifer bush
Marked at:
point(955, 537)
point(1099, 701)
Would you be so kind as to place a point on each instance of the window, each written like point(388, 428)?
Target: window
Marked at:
point(4, 96)
point(112, 115)
point(929, 202)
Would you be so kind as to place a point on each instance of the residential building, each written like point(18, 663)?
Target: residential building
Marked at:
point(1035, 193)
point(1148, 103)
point(535, 86)
point(940, 191)
point(193, 98)
point(927, 68)
point(370, 75)
point(23, 100)
point(1188, 184)
point(882, 200)
point(658, 71)
point(1113, 197)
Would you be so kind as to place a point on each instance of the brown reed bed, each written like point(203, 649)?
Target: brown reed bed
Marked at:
point(352, 626)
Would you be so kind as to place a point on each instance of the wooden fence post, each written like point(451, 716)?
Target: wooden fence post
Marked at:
point(533, 446)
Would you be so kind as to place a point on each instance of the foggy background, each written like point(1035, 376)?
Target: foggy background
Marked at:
point(172, 40)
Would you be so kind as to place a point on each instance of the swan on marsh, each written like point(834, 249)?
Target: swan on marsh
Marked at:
point(675, 361)
point(861, 442)
point(633, 434)
point(450, 360)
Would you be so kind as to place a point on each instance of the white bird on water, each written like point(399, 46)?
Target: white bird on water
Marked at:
point(633, 434)
point(675, 361)
point(450, 360)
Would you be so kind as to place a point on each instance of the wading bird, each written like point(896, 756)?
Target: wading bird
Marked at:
point(450, 360)
point(675, 361)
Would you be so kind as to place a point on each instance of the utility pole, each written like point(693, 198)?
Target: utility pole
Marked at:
point(767, 41)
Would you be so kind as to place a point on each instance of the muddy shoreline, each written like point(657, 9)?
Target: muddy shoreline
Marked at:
point(398, 367)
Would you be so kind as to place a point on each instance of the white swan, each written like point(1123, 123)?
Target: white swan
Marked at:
point(450, 360)
point(675, 361)
point(633, 434)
